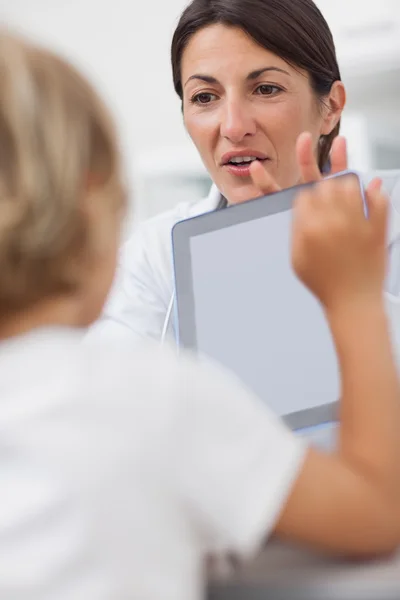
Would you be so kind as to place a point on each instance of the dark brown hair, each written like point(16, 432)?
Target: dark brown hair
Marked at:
point(294, 30)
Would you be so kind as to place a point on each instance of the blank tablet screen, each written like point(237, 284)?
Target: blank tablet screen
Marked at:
point(253, 315)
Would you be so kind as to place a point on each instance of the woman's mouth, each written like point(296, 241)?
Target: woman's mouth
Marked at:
point(240, 165)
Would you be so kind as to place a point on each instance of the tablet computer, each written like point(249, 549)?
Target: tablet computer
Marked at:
point(239, 302)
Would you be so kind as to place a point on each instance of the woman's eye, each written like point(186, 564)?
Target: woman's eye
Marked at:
point(268, 90)
point(203, 98)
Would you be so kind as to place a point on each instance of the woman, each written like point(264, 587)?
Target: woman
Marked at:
point(252, 75)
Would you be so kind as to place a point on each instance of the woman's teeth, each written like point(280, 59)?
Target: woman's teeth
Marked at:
point(237, 160)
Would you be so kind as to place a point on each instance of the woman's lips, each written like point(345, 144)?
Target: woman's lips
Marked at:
point(240, 169)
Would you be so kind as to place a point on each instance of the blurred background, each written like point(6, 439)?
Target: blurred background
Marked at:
point(123, 45)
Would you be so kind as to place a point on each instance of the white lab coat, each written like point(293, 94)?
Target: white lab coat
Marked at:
point(140, 304)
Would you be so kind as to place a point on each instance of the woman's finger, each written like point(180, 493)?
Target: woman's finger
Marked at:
point(263, 180)
point(309, 170)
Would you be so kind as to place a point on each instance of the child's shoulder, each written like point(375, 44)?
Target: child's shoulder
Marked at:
point(142, 373)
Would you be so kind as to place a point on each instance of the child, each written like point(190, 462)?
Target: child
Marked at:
point(122, 469)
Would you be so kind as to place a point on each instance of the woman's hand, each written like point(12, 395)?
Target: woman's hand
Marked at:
point(337, 252)
point(308, 165)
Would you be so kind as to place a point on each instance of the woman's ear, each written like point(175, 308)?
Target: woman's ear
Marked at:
point(333, 107)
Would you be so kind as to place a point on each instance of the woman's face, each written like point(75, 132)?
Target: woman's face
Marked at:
point(241, 102)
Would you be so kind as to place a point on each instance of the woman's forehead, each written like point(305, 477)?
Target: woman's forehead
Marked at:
point(220, 50)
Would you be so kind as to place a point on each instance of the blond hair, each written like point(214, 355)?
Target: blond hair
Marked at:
point(57, 143)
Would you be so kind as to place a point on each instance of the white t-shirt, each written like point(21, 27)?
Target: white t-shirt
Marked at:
point(120, 470)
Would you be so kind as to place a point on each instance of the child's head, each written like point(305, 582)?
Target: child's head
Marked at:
point(61, 191)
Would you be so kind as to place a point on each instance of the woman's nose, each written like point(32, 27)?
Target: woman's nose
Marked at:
point(236, 122)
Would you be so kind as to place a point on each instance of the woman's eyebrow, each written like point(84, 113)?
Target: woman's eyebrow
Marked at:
point(205, 78)
point(258, 72)
point(250, 77)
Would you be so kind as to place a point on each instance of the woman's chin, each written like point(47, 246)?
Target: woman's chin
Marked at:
point(242, 194)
